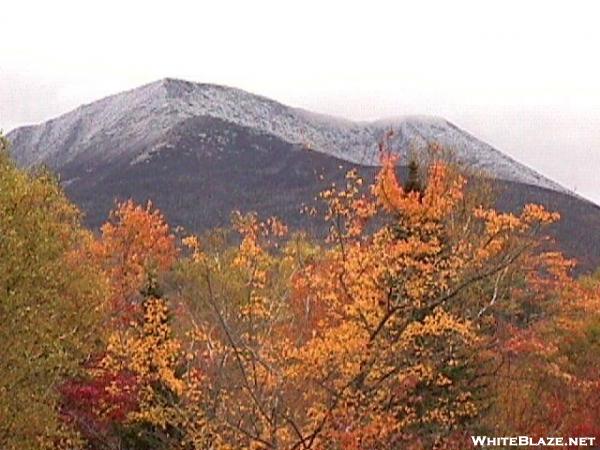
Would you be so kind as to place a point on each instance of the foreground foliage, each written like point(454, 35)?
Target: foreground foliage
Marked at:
point(51, 299)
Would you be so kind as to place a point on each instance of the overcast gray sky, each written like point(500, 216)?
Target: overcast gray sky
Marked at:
point(521, 75)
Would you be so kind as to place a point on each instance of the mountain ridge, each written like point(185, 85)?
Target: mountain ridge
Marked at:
point(134, 121)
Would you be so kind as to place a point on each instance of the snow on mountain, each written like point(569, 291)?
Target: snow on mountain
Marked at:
point(133, 125)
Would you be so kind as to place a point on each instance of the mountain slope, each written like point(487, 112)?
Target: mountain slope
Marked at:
point(133, 122)
point(199, 151)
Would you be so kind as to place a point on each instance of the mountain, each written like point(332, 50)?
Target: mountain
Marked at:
point(200, 150)
point(133, 123)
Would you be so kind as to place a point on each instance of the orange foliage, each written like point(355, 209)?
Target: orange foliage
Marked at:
point(136, 243)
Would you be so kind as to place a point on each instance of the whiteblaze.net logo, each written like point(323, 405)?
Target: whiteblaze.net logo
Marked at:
point(526, 441)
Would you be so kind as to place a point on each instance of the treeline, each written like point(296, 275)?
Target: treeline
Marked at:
point(423, 318)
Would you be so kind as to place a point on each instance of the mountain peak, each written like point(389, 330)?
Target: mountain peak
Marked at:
point(175, 87)
point(131, 125)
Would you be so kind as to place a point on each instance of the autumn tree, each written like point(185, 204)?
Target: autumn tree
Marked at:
point(550, 381)
point(238, 299)
point(381, 338)
point(140, 391)
point(50, 299)
point(135, 247)
point(397, 354)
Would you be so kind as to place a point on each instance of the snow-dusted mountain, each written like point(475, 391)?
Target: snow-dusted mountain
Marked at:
point(200, 151)
point(133, 124)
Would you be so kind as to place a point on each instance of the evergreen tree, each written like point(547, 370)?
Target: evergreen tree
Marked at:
point(413, 181)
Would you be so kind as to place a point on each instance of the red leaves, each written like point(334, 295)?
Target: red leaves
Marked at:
point(95, 405)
